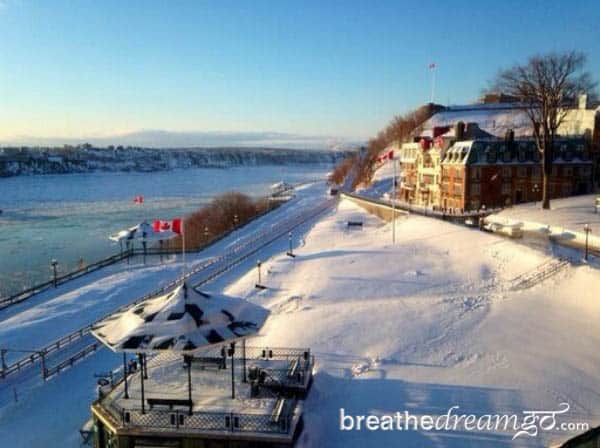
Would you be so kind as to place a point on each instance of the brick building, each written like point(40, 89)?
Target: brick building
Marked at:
point(498, 173)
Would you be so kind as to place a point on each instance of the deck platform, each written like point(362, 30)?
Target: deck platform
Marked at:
point(267, 407)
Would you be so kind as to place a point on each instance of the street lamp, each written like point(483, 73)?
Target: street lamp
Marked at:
point(206, 233)
point(235, 221)
point(587, 229)
point(290, 253)
point(535, 189)
point(231, 352)
point(54, 263)
point(259, 285)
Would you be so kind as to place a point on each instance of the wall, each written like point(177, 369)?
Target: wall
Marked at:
point(382, 211)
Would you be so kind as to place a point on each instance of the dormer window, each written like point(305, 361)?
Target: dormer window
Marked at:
point(491, 154)
point(522, 153)
point(506, 155)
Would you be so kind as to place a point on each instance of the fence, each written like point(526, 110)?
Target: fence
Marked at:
point(418, 210)
point(113, 259)
point(173, 420)
point(30, 292)
point(220, 264)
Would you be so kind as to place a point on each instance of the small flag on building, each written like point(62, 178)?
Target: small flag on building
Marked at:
point(432, 66)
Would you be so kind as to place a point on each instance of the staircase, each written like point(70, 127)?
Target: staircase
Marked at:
point(538, 274)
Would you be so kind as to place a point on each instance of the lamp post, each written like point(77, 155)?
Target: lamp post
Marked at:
point(535, 189)
point(587, 229)
point(206, 232)
point(54, 263)
point(126, 394)
point(3, 361)
point(245, 380)
point(290, 253)
point(141, 362)
point(231, 353)
point(235, 221)
point(259, 285)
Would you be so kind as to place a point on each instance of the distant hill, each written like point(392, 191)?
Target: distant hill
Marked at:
point(15, 161)
point(168, 139)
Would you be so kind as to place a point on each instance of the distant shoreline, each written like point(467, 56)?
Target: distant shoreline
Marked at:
point(88, 159)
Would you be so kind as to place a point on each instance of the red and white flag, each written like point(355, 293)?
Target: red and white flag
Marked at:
point(138, 200)
point(175, 226)
point(387, 156)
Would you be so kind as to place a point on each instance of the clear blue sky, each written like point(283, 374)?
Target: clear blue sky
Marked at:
point(340, 68)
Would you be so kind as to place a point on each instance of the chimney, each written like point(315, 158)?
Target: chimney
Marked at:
point(583, 101)
point(471, 131)
point(459, 131)
point(509, 137)
point(440, 130)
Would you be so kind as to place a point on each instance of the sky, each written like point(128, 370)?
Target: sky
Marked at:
point(79, 69)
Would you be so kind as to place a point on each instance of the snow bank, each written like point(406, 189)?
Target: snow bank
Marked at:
point(428, 324)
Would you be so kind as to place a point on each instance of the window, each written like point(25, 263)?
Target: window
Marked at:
point(536, 172)
point(521, 171)
point(536, 154)
point(476, 173)
point(506, 154)
point(463, 154)
point(568, 171)
point(568, 154)
point(522, 152)
point(506, 172)
point(491, 154)
point(475, 189)
point(506, 189)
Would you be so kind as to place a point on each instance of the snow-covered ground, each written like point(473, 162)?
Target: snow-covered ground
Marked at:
point(564, 222)
point(428, 323)
point(58, 407)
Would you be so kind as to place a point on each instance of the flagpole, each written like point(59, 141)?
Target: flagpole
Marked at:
point(394, 203)
point(433, 70)
point(183, 247)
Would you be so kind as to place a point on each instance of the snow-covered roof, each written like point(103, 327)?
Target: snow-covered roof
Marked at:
point(524, 151)
point(492, 118)
point(184, 321)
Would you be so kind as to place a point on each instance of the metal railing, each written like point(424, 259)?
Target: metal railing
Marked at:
point(177, 420)
point(424, 211)
point(113, 259)
point(218, 264)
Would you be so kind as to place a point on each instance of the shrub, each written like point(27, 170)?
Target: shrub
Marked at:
point(219, 217)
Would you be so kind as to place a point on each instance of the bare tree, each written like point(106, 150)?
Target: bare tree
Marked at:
point(547, 85)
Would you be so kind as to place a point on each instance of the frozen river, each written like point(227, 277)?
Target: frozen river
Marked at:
point(69, 217)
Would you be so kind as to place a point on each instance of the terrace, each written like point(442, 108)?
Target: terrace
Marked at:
point(258, 400)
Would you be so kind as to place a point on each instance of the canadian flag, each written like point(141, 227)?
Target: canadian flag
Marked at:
point(432, 66)
point(138, 200)
point(387, 156)
point(175, 226)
